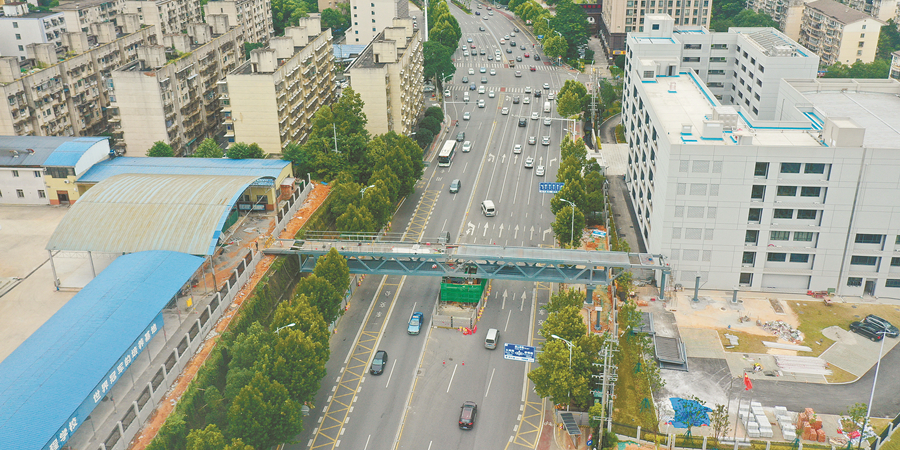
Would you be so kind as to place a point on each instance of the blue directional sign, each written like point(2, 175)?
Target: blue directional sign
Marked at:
point(549, 188)
point(518, 352)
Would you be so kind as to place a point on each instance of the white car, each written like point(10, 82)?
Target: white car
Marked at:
point(469, 40)
point(505, 111)
point(466, 53)
point(519, 73)
point(504, 37)
point(482, 70)
point(546, 85)
point(503, 41)
point(491, 94)
point(466, 115)
point(529, 162)
point(532, 140)
point(527, 89)
point(551, 96)
point(481, 89)
point(545, 140)
point(547, 121)
point(446, 92)
point(526, 100)
point(481, 103)
point(471, 71)
point(493, 72)
point(535, 116)
point(517, 149)
point(467, 146)
point(539, 171)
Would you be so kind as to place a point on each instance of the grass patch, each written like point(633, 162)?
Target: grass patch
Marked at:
point(632, 388)
point(815, 316)
point(839, 375)
point(747, 343)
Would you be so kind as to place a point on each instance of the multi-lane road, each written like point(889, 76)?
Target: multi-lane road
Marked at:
point(415, 403)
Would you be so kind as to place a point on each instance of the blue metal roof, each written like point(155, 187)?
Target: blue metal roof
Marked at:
point(53, 381)
point(68, 154)
point(38, 151)
point(343, 51)
point(268, 168)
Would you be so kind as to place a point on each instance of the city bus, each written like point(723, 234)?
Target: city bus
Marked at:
point(445, 157)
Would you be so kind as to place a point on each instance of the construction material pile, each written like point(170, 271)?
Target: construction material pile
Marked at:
point(755, 420)
point(810, 426)
point(783, 331)
point(786, 423)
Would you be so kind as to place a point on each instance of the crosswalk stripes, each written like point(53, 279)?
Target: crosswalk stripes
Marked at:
point(501, 89)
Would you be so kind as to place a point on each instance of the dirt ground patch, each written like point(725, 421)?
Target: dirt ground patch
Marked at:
point(718, 314)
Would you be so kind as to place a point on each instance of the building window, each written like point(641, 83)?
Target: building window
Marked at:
point(21, 49)
point(869, 238)
point(854, 281)
point(799, 257)
point(751, 237)
point(755, 215)
point(858, 260)
point(859, 53)
point(895, 262)
point(779, 235)
point(761, 68)
point(15, 173)
point(814, 168)
point(20, 193)
point(803, 236)
point(761, 169)
point(41, 193)
point(790, 167)
point(783, 213)
point(776, 257)
point(861, 44)
point(690, 59)
point(37, 173)
point(755, 110)
point(746, 278)
point(748, 258)
point(806, 214)
point(892, 282)
point(18, 37)
point(648, 74)
point(692, 46)
point(810, 191)
point(757, 192)
point(655, 26)
point(15, 24)
point(786, 191)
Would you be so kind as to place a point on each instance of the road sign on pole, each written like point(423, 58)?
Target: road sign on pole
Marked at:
point(549, 188)
point(517, 352)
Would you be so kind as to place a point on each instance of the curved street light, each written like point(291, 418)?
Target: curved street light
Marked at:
point(572, 235)
point(569, 394)
point(281, 328)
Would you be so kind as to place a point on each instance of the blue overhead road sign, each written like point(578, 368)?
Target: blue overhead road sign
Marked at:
point(517, 352)
point(549, 188)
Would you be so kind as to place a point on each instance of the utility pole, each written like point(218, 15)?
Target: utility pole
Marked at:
point(609, 377)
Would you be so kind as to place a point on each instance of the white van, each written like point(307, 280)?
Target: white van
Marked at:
point(546, 107)
point(490, 342)
point(487, 207)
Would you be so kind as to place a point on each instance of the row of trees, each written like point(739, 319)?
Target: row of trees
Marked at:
point(564, 34)
point(338, 18)
point(210, 149)
point(267, 372)
point(429, 126)
point(444, 34)
point(368, 175)
point(733, 13)
point(585, 192)
point(574, 101)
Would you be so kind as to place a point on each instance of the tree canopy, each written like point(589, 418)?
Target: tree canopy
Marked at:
point(241, 150)
point(438, 61)
point(875, 69)
point(160, 149)
point(208, 149)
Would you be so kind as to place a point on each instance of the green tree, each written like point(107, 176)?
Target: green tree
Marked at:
point(322, 295)
point(356, 220)
point(569, 169)
point(238, 444)
point(562, 226)
point(250, 46)
point(555, 46)
point(160, 150)
point(750, 18)
point(438, 62)
point(574, 149)
point(378, 201)
point(574, 86)
point(563, 382)
point(336, 20)
point(542, 28)
point(888, 40)
point(569, 104)
point(391, 182)
point(571, 22)
point(295, 363)
point(344, 192)
point(263, 414)
point(332, 267)
point(436, 112)
point(209, 438)
point(430, 124)
point(208, 149)
point(241, 150)
point(563, 299)
point(856, 413)
point(303, 159)
point(286, 13)
point(401, 154)
point(875, 69)
point(718, 421)
point(307, 318)
point(424, 137)
point(567, 323)
point(573, 191)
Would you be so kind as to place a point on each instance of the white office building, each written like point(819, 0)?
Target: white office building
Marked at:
point(18, 28)
point(803, 200)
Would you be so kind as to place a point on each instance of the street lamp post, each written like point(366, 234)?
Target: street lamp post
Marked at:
point(362, 191)
point(281, 328)
point(569, 394)
point(572, 235)
point(872, 395)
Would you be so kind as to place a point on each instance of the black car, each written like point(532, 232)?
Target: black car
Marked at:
point(522, 122)
point(490, 58)
point(461, 136)
point(867, 330)
point(379, 362)
point(536, 57)
point(516, 100)
point(512, 43)
point(467, 414)
point(509, 50)
point(881, 324)
point(537, 93)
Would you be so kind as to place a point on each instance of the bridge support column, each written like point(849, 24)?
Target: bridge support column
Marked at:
point(590, 295)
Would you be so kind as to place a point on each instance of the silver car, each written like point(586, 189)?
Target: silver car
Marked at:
point(539, 171)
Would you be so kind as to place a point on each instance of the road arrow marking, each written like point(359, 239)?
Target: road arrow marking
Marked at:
point(550, 163)
point(545, 234)
point(516, 234)
point(503, 158)
point(470, 229)
point(501, 230)
point(485, 230)
point(490, 157)
point(531, 236)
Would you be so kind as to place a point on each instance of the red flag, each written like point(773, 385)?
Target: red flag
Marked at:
point(747, 383)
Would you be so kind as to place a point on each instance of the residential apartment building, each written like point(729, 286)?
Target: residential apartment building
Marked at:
point(369, 17)
point(838, 33)
point(895, 66)
point(388, 77)
point(171, 16)
point(788, 14)
point(254, 15)
point(170, 93)
point(882, 10)
point(742, 67)
point(621, 17)
point(791, 204)
point(272, 98)
point(18, 28)
point(49, 95)
point(80, 14)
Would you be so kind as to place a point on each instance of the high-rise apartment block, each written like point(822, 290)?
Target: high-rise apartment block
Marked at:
point(369, 17)
point(80, 14)
point(625, 16)
point(18, 28)
point(171, 16)
point(172, 95)
point(882, 10)
point(838, 33)
point(272, 98)
point(788, 14)
point(895, 65)
point(254, 15)
point(794, 203)
point(388, 77)
point(49, 95)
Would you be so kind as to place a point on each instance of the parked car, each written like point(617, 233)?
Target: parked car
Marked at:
point(467, 414)
point(378, 362)
point(882, 324)
point(415, 322)
point(867, 330)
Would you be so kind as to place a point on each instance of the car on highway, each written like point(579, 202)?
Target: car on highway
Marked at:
point(446, 92)
point(512, 43)
point(490, 14)
point(532, 68)
point(491, 93)
point(547, 121)
point(537, 93)
point(473, 47)
point(461, 136)
point(477, 13)
point(484, 17)
point(490, 58)
point(516, 29)
point(469, 40)
point(867, 330)
point(378, 362)
point(467, 414)
point(551, 96)
point(529, 162)
point(482, 70)
point(517, 148)
point(527, 89)
point(537, 57)
point(465, 53)
point(467, 146)
point(527, 55)
point(545, 140)
point(535, 115)
point(415, 322)
point(481, 89)
point(483, 80)
point(518, 59)
point(505, 110)
point(882, 324)
point(521, 47)
point(503, 41)
point(481, 52)
point(466, 115)
point(532, 140)
point(526, 100)
point(547, 86)
point(481, 103)
point(522, 122)
point(518, 73)
point(493, 72)
point(465, 80)
point(480, 28)
point(515, 100)
point(471, 71)
point(472, 87)
point(509, 50)
point(539, 171)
